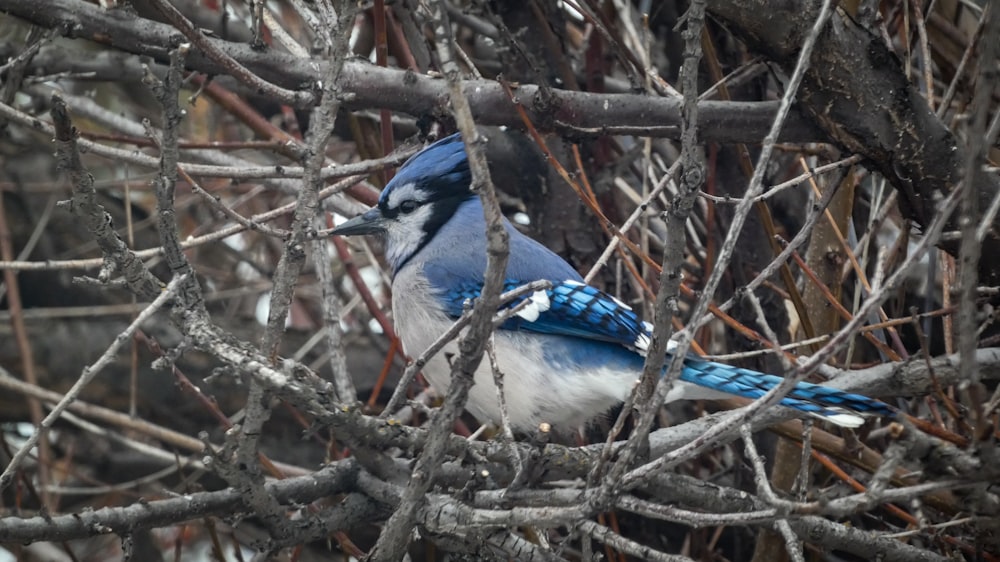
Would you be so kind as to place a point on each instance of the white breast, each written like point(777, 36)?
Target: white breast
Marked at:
point(533, 393)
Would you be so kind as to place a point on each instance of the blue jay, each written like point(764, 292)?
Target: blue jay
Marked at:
point(573, 351)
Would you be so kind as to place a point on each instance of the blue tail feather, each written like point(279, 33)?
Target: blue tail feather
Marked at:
point(835, 405)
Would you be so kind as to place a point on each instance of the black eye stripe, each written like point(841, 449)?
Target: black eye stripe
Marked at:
point(386, 211)
point(405, 208)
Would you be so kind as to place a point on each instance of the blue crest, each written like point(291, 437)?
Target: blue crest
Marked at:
point(437, 172)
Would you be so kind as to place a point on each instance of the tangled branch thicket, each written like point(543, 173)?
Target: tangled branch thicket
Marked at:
point(193, 368)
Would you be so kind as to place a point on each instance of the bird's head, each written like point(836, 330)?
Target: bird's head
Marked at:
point(423, 195)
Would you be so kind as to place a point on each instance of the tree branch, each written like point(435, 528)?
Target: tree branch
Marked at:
point(364, 85)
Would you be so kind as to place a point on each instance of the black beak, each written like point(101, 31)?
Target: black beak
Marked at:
point(370, 222)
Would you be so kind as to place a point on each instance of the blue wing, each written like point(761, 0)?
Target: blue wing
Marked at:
point(569, 308)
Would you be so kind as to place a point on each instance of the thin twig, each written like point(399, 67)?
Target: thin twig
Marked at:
point(88, 375)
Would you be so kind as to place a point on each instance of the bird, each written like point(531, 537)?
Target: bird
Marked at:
point(567, 355)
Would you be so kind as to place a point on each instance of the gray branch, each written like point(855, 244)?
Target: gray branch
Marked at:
point(368, 86)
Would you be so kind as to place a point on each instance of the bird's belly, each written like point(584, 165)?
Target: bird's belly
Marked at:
point(535, 390)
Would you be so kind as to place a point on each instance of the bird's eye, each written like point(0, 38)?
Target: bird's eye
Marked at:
point(408, 206)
